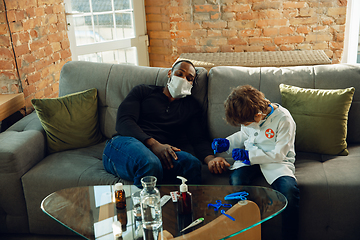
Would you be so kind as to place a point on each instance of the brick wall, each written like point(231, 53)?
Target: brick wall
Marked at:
point(181, 26)
point(38, 37)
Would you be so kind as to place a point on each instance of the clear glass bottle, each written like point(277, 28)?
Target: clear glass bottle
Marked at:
point(150, 208)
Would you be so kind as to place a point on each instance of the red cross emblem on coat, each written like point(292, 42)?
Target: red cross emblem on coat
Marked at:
point(269, 133)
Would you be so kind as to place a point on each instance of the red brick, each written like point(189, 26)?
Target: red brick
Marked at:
point(211, 49)
point(16, 27)
point(6, 53)
point(241, 24)
point(33, 77)
point(22, 49)
point(250, 33)
point(186, 42)
point(28, 58)
point(229, 32)
point(159, 34)
point(215, 24)
point(288, 40)
point(155, 10)
point(318, 37)
point(266, 5)
point(286, 30)
point(188, 26)
point(271, 22)
point(65, 53)
point(24, 4)
point(253, 40)
point(207, 8)
point(30, 12)
point(237, 41)
point(336, 11)
point(248, 15)
point(214, 33)
point(40, 43)
point(271, 32)
point(21, 38)
point(294, 5)
point(56, 37)
point(237, 8)
point(153, 26)
point(5, 41)
point(180, 34)
point(65, 43)
point(303, 21)
point(11, 15)
point(303, 29)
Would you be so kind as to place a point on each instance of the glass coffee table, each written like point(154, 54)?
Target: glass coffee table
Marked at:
point(90, 211)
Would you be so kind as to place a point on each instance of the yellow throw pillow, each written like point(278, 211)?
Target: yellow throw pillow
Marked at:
point(321, 118)
point(70, 121)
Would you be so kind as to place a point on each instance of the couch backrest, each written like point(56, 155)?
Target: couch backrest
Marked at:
point(267, 79)
point(114, 82)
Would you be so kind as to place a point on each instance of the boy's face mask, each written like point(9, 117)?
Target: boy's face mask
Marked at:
point(179, 87)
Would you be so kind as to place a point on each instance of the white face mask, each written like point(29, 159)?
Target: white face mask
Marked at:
point(179, 87)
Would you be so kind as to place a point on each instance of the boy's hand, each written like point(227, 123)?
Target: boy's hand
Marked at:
point(220, 145)
point(239, 154)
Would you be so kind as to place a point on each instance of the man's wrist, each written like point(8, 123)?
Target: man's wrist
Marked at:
point(150, 142)
point(208, 159)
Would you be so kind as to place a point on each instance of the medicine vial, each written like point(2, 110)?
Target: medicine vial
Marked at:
point(120, 199)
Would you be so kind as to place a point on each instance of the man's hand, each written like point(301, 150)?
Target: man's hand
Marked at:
point(165, 152)
point(216, 165)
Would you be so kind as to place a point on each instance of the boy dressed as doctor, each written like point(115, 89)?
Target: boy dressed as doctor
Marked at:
point(265, 144)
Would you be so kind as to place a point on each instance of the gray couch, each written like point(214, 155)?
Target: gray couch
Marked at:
point(329, 185)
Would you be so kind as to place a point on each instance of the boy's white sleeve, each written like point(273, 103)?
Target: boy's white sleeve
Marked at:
point(236, 141)
point(284, 146)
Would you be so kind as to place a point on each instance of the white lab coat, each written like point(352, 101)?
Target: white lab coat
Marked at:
point(271, 145)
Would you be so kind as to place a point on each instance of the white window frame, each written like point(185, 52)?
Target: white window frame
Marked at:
point(140, 41)
point(351, 32)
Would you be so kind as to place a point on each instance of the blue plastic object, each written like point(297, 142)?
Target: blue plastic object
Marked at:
point(220, 145)
point(223, 212)
point(239, 154)
point(219, 205)
point(238, 195)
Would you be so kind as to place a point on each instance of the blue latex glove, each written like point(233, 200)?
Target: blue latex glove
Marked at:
point(220, 145)
point(239, 154)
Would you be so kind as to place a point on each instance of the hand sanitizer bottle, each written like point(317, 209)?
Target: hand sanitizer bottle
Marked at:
point(184, 198)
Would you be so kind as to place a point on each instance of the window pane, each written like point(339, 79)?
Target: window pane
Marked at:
point(122, 4)
point(104, 27)
point(124, 25)
point(127, 55)
point(101, 6)
point(83, 30)
point(80, 6)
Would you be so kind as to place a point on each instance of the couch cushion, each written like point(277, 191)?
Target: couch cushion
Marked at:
point(70, 121)
point(320, 116)
point(71, 168)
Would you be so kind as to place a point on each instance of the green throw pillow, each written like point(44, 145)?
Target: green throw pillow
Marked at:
point(321, 118)
point(70, 121)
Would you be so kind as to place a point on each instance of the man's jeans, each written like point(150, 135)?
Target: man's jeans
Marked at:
point(287, 186)
point(130, 159)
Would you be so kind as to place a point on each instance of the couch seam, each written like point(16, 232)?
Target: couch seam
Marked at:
point(106, 85)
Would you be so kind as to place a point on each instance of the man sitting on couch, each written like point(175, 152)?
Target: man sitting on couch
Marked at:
point(151, 122)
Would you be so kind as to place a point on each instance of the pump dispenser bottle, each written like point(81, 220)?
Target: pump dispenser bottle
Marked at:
point(120, 200)
point(184, 198)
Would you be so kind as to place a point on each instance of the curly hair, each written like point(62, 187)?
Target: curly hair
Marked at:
point(243, 103)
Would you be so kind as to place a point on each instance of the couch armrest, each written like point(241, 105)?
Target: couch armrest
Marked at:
point(21, 147)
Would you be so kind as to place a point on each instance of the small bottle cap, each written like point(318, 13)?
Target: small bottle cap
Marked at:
point(118, 186)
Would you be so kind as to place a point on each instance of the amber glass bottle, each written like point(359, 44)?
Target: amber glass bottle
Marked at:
point(120, 199)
